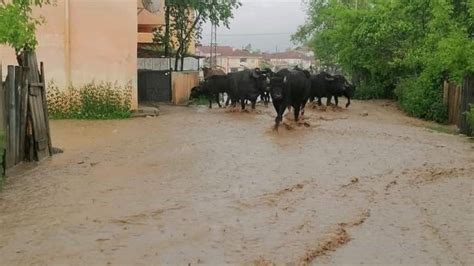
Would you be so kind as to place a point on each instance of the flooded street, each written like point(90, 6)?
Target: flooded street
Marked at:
point(366, 185)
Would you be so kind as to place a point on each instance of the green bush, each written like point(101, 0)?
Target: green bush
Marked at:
point(366, 92)
point(422, 98)
point(372, 91)
point(201, 100)
point(91, 101)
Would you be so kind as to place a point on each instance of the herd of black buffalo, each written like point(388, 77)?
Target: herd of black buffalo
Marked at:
point(285, 88)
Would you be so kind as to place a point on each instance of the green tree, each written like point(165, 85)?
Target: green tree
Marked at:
point(18, 25)
point(186, 18)
point(398, 48)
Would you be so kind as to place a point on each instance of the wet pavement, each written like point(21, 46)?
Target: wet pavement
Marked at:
point(366, 185)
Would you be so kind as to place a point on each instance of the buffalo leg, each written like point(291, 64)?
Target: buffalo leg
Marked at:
point(319, 101)
point(280, 109)
point(297, 111)
point(218, 101)
point(336, 99)
point(253, 104)
point(242, 104)
point(303, 106)
point(210, 102)
point(328, 103)
point(228, 100)
point(348, 102)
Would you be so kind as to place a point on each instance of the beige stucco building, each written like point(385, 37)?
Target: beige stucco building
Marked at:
point(231, 59)
point(91, 40)
point(289, 59)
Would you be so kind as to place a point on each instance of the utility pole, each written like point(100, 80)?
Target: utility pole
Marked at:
point(213, 56)
point(167, 31)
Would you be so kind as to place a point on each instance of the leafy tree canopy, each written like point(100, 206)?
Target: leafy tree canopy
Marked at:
point(188, 16)
point(397, 48)
point(17, 25)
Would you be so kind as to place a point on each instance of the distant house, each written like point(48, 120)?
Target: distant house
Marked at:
point(231, 59)
point(289, 59)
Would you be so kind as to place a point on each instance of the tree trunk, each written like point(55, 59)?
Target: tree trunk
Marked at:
point(182, 61)
point(176, 60)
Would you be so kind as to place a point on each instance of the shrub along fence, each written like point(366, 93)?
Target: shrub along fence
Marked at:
point(24, 113)
point(459, 99)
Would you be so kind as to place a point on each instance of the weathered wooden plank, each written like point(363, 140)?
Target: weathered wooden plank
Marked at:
point(467, 98)
point(457, 96)
point(453, 100)
point(23, 114)
point(2, 122)
point(40, 133)
point(18, 84)
point(446, 93)
point(30, 143)
point(10, 88)
point(45, 109)
point(2, 103)
point(41, 85)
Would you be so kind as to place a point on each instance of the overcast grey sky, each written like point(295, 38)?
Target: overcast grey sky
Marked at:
point(266, 24)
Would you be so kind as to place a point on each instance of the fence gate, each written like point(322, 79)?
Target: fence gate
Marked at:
point(154, 86)
point(24, 113)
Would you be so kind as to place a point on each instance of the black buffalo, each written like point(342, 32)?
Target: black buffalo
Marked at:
point(326, 85)
point(246, 85)
point(212, 87)
point(289, 88)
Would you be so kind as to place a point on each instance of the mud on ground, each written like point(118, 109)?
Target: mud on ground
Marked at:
point(366, 185)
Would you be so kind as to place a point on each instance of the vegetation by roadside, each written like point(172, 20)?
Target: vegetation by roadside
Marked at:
point(398, 49)
point(201, 100)
point(91, 101)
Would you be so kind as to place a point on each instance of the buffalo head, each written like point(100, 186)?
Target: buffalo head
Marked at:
point(277, 85)
point(261, 79)
point(195, 93)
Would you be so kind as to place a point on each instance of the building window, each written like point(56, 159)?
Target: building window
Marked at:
point(234, 69)
point(243, 60)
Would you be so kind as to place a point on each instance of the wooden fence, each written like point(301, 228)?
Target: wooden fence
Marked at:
point(24, 113)
point(458, 99)
point(181, 85)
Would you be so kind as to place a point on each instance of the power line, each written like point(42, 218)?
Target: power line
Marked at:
point(255, 34)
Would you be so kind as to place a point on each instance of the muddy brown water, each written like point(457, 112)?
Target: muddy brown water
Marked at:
point(200, 186)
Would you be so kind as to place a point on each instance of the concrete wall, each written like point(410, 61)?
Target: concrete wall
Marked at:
point(87, 40)
point(181, 85)
point(190, 64)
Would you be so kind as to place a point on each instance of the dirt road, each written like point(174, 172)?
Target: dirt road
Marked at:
point(212, 187)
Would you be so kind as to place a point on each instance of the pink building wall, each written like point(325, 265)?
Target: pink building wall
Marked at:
point(87, 40)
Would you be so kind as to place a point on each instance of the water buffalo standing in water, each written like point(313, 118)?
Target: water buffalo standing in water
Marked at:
point(212, 87)
point(289, 88)
point(246, 85)
point(326, 85)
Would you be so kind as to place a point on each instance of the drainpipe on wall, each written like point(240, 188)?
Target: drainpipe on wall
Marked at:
point(67, 43)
